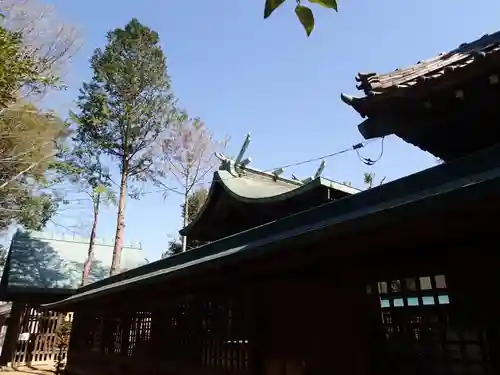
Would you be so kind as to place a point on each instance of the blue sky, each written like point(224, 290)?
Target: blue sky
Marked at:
point(243, 74)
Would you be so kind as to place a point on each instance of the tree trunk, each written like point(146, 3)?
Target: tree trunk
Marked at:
point(120, 223)
point(90, 255)
point(186, 220)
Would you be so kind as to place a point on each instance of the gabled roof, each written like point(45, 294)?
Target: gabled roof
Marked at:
point(48, 263)
point(427, 73)
point(263, 187)
point(423, 193)
point(247, 190)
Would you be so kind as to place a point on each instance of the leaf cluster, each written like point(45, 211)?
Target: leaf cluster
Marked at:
point(304, 13)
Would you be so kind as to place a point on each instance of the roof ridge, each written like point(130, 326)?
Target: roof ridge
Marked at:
point(61, 237)
point(271, 175)
point(230, 167)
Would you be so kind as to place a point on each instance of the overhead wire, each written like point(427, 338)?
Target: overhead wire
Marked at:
point(369, 161)
point(356, 147)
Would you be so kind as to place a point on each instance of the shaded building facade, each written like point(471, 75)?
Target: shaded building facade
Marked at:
point(391, 280)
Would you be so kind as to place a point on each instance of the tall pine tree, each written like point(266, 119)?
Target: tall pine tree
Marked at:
point(126, 107)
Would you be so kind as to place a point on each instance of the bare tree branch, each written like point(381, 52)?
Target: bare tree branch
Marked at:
point(49, 41)
point(188, 158)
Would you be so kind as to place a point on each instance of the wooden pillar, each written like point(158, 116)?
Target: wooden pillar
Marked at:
point(338, 327)
point(475, 307)
point(12, 334)
point(257, 337)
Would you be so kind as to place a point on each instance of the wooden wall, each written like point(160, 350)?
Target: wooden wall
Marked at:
point(291, 325)
point(416, 299)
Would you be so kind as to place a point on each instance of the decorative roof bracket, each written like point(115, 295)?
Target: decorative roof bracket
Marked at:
point(234, 166)
point(320, 169)
point(243, 149)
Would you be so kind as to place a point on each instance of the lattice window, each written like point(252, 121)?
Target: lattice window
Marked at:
point(117, 337)
point(144, 326)
point(415, 319)
point(97, 334)
point(139, 333)
point(225, 343)
point(132, 339)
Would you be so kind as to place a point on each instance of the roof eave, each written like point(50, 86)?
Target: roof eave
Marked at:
point(194, 223)
point(454, 191)
point(347, 190)
point(466, 172)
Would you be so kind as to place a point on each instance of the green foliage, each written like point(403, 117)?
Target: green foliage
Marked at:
point(47, 41)
point(196, 201)
point(174, 247)
point(369, 180)
point(271, 6)
point(85, 167)
point(126, 108)
point(19, 70)
point(30, 142)
point(63, 334)
point(16, 70)
point(306, 18)
point(326, 3)
point(304, 13)
point(128, 103)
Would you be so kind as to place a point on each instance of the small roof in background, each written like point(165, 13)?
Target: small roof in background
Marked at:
point(241, 197)
point(45, 262)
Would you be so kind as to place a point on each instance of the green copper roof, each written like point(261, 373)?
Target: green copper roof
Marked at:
point(253, 187)
point(253, 184)
point(423, 193)
point(46, 261)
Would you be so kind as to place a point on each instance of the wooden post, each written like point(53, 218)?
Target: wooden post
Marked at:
point(12, 334)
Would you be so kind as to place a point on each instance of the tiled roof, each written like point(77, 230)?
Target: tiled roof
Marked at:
point(47, 261)
point(434, 68)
